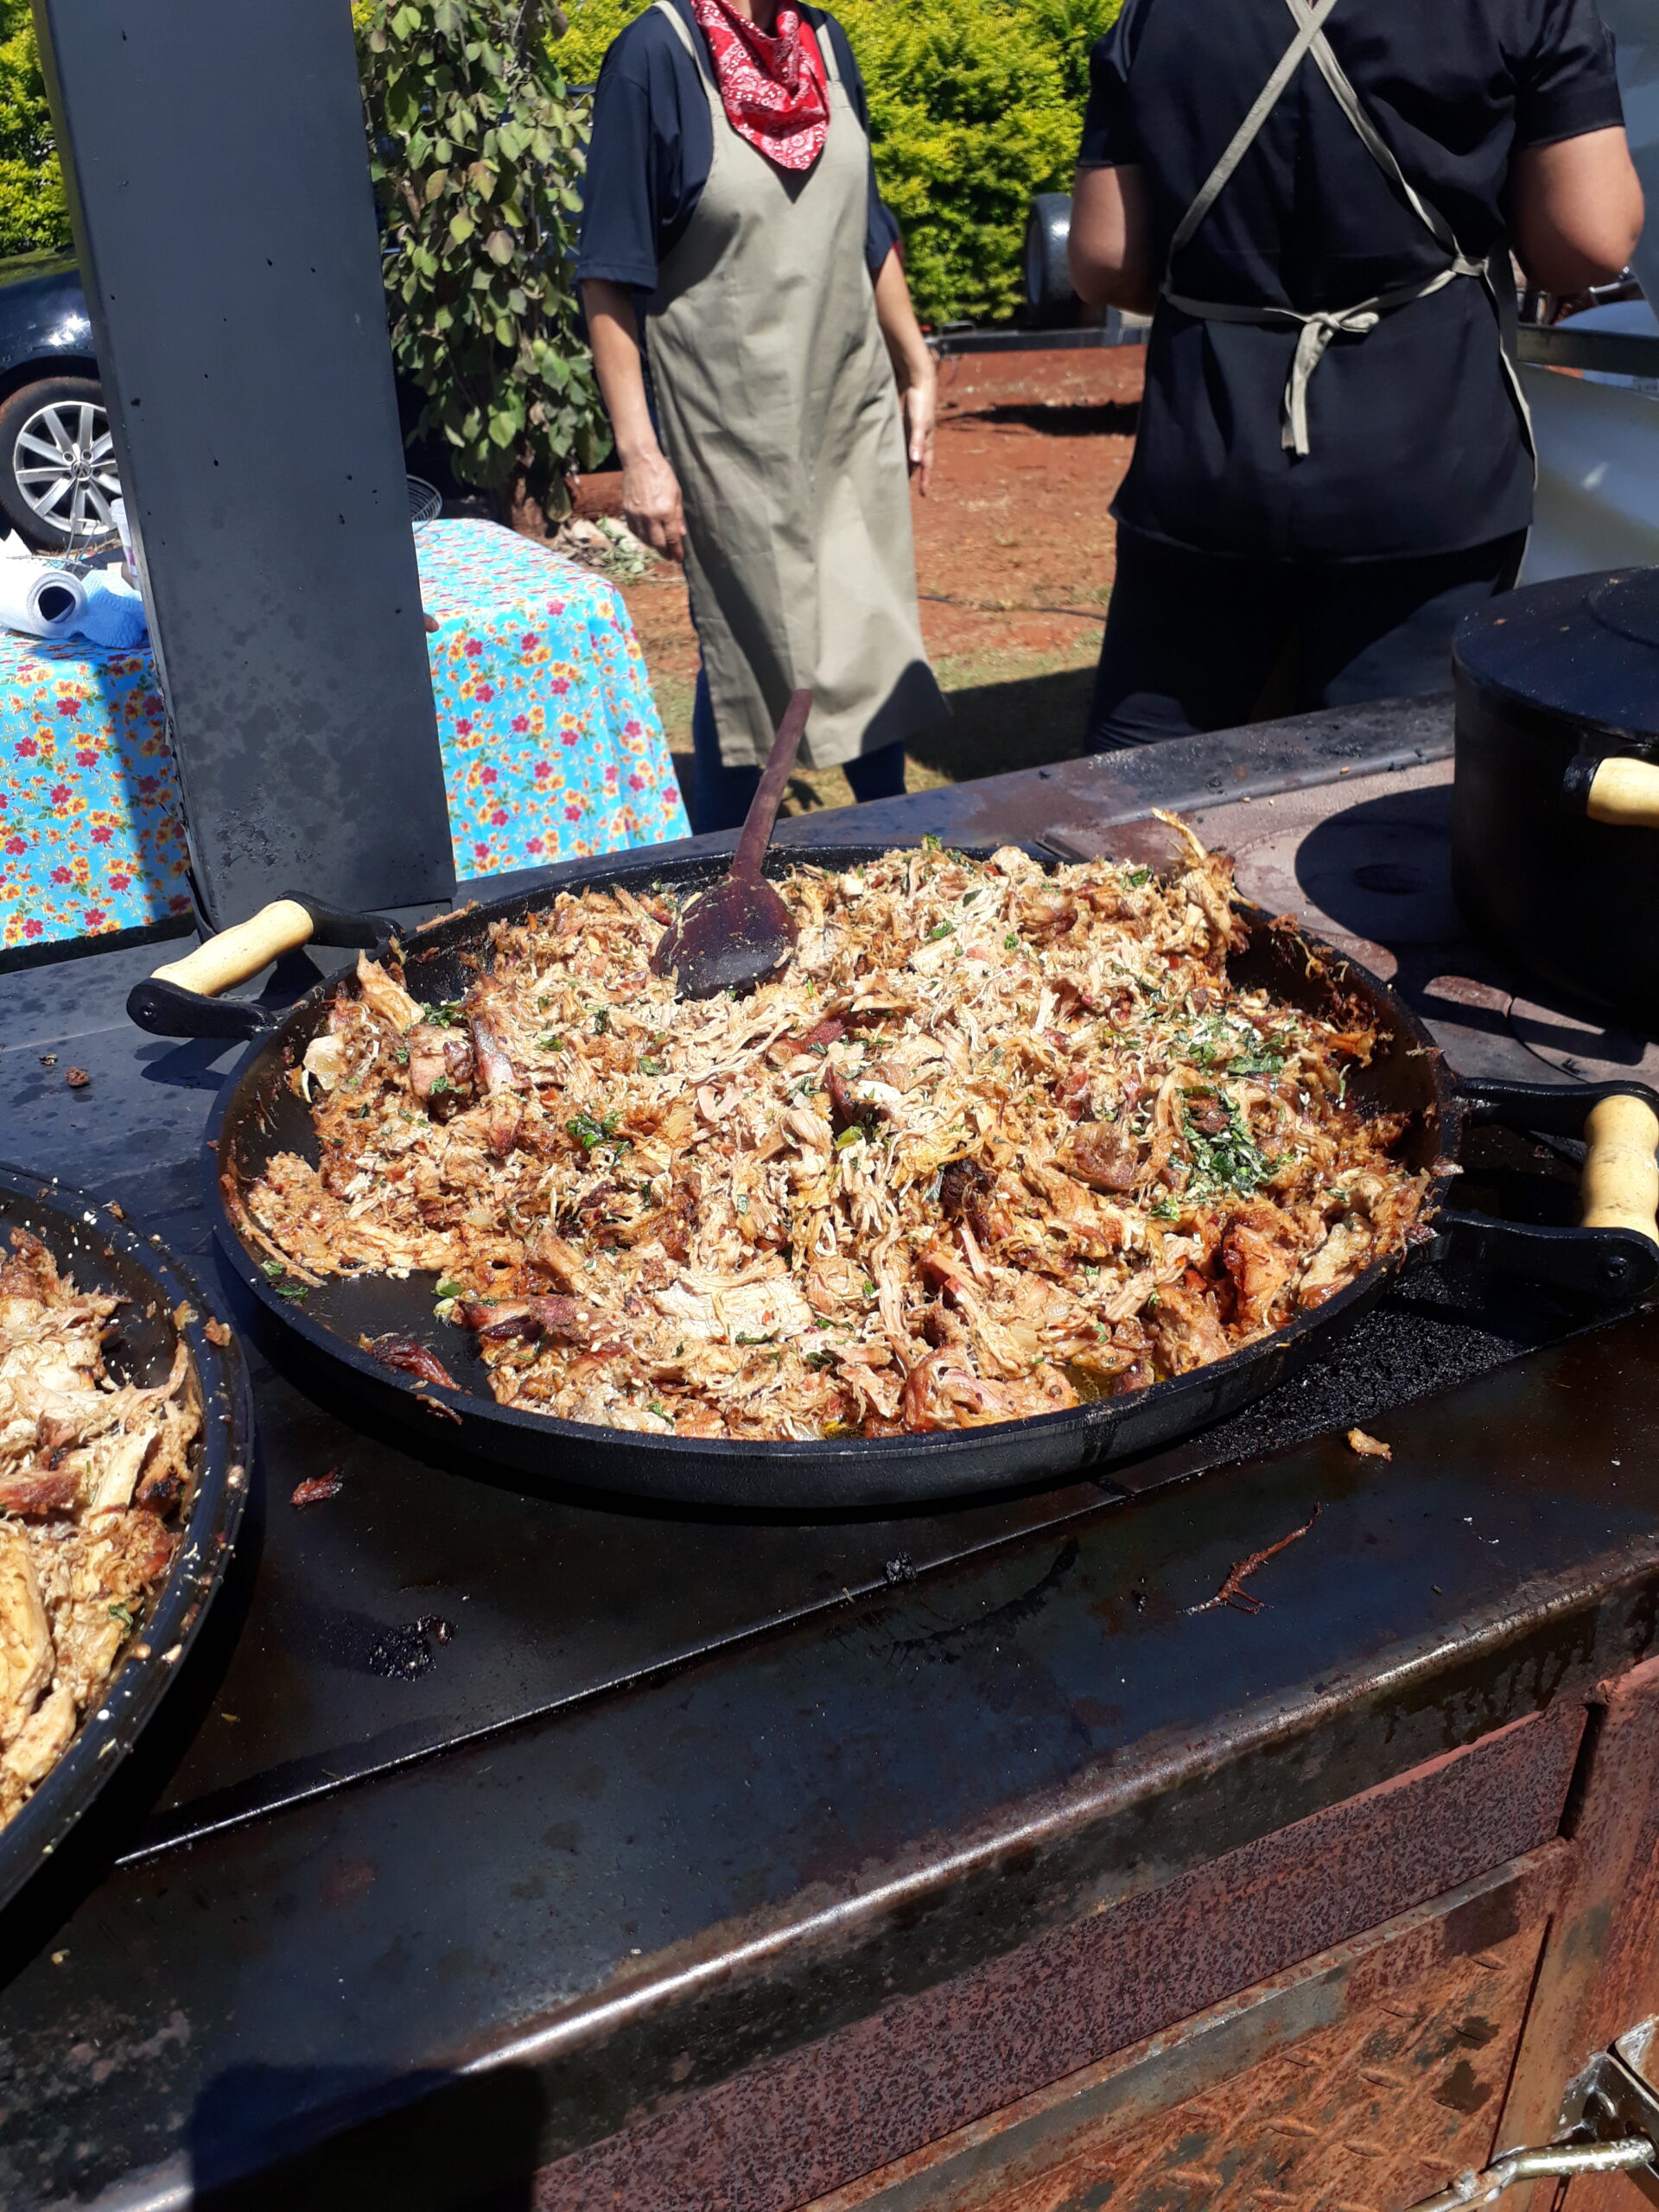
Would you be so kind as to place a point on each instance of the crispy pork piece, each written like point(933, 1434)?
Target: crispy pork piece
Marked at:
point(26, 1654)
point(1103, 1155)
point(1369, 1447)
point(385, 996)
point(1258, 1250)
point(441, 1065)
point(42, 1739)
point(1184, 1331)
point(563, 1320)
point(410, 1357)
point(1344, 1252)
point(503, 1115)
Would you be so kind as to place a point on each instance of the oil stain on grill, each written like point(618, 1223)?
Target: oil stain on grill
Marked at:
point(948, 1644)
point(406, 1651)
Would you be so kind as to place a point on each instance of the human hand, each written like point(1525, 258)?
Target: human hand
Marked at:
point(652, 505)
point(919, 401)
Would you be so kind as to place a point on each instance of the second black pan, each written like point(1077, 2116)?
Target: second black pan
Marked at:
point(161, 1304)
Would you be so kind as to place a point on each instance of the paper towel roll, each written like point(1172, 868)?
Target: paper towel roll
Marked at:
point(41, 601)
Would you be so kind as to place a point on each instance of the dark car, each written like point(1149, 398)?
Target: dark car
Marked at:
point(57, 463)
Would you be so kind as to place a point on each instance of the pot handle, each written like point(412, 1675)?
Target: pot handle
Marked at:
point(1616, 788)
point(1614, 1252)
point(241, 951)
point(1619, 1186)
point(182, 998)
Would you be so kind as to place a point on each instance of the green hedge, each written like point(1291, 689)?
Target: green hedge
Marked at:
point(33, 215)
point(974, 104)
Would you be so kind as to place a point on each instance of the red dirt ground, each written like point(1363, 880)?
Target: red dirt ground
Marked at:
point(1014, 553)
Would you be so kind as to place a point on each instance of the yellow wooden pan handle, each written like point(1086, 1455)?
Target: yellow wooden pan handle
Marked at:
point(1619, 1188)
point(1626, 793)
point(240, 951)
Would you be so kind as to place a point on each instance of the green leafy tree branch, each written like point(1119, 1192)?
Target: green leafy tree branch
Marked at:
point(34, 216)
point(478, 149)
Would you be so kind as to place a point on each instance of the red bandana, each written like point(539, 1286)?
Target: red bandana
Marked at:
point(771, 88)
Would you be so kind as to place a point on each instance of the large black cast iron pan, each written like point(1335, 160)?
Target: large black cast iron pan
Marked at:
point(103, 1254)
point(258, 1114)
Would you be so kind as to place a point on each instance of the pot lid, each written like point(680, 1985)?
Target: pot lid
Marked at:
point(1586, 647)
point(1630, 605)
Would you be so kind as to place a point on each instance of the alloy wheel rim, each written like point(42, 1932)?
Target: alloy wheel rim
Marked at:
point(65, 466)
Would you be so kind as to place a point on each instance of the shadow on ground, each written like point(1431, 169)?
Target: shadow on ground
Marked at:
point(1028, 722)
point(997, 727)
point(1110, 418)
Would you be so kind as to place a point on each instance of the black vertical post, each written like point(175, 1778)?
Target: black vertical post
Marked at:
point(218, 173)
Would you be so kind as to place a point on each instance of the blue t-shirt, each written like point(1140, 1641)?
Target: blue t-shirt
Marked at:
point(653, 145)
point(1416, 442)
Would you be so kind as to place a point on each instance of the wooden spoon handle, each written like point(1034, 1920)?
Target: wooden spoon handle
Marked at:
point(762, 817)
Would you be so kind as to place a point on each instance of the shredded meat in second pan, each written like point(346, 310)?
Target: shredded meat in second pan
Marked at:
point(91, 1472)
point(995, 1142)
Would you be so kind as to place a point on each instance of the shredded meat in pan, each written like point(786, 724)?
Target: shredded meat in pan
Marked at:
point(90, 1470)
point(997, 1141)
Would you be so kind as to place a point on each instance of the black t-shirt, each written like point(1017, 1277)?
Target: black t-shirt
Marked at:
point(1416, 441)
point(653, 145)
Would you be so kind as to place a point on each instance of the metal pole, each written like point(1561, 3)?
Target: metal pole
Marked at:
point(218, 175)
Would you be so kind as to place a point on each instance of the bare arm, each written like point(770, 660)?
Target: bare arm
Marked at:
point(1111, 249)
point(650, 491)
point(912, 364)
point(1575, 210)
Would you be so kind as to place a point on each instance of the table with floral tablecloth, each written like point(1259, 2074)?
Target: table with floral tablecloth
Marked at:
point(552, 745)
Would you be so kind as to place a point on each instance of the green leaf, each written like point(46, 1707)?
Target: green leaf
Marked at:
point(462, 228)
point(498, 246)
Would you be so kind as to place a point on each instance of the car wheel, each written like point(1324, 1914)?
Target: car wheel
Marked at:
point(57, 462)
point(1049, 299)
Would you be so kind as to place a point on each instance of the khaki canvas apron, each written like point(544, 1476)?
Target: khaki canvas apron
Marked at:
point(777, 410)
point(1319, 328)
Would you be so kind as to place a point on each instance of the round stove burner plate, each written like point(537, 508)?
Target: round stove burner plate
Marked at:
point(1382, 879)
point(1630, 605)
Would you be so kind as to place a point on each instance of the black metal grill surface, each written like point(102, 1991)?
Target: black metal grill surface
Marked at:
point(451, 1761)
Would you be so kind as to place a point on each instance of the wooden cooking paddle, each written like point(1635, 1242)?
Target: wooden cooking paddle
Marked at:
point(737, 933)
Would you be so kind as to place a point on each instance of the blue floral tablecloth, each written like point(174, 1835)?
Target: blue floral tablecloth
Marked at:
point(552, 745)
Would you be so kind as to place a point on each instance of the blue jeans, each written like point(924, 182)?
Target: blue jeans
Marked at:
point(721, 795)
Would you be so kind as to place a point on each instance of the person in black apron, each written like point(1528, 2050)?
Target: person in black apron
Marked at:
point(790, 381)
point(1316, 199)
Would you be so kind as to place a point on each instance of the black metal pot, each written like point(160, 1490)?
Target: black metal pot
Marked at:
point(1555, 807)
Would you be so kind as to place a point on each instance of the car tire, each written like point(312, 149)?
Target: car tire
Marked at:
point(1050, 300)
point(64, 416)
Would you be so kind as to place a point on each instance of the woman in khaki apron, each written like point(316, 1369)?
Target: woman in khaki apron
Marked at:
point(730, 196)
